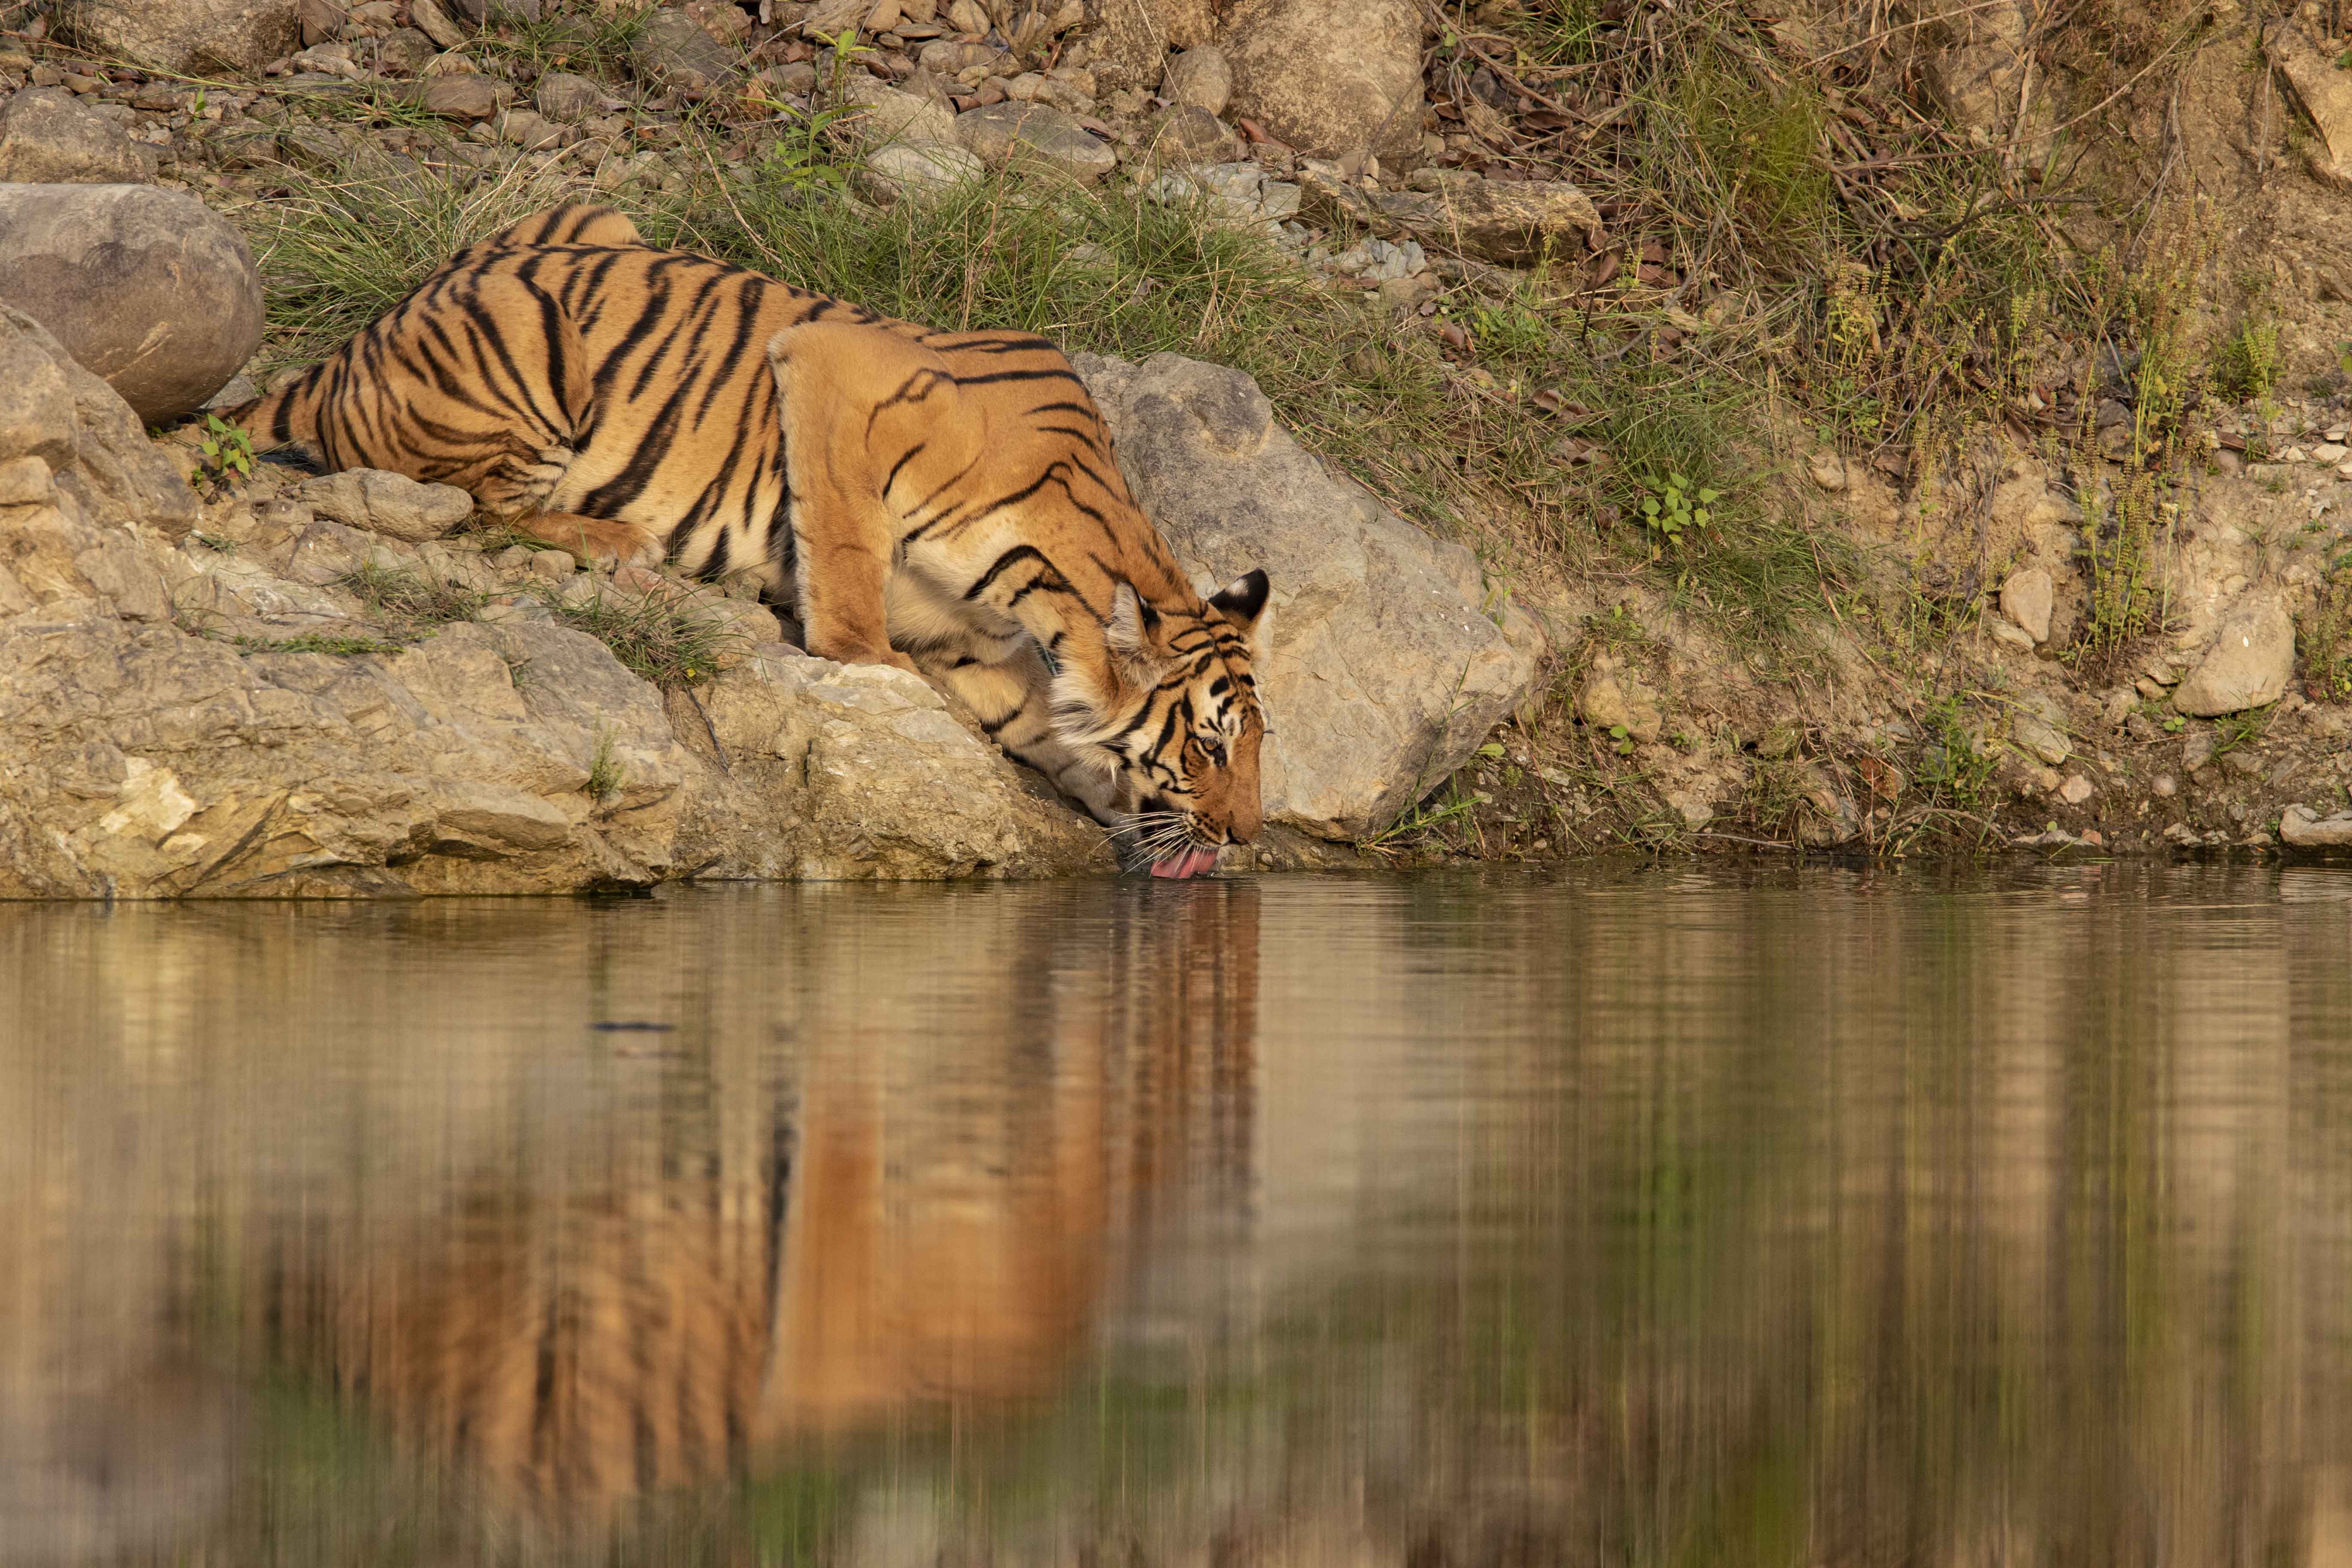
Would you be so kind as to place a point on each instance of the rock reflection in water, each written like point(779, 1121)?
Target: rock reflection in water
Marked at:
point(1824, 1219)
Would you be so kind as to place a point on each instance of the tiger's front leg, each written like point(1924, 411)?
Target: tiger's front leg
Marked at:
point(1011, 699)
point(844, 534)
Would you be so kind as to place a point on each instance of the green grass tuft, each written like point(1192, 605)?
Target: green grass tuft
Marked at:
point(317, 642)
point(408, 600)
point(668, 639)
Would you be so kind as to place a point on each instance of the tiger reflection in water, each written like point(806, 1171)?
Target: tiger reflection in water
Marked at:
point(907, 1216)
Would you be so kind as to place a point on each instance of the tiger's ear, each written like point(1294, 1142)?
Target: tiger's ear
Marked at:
point(1242, 601)
point(1134, 634)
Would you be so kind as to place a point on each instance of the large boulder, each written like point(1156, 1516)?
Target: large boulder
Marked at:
point(1329, 77)
point(207, 711)
point(1131, 37)
point(2248, 664)
point(674, 51)
point(1389, 655)
point(49, 136)
point(149, 288)
point(184, 36)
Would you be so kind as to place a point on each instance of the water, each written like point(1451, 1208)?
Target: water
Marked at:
point(1630, 1219)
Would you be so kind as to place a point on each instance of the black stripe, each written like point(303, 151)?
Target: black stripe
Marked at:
point(1019, 552)
point(912, 454)
point(997, 375)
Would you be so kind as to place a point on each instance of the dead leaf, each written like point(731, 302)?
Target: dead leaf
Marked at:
point(1485, 124)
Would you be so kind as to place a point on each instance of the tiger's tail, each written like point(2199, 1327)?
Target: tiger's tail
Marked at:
point(285, 416)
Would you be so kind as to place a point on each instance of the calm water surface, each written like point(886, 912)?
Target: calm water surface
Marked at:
point(1802, 1218)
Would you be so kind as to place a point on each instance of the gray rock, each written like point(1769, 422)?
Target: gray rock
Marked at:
point(1329, 76)
point(465, 95)
point(673, 51)
point(186, 35)
point(858, 771)
point(530, 130)
point(1613, 699)
point(49, 137)
point(2306, 829)
point(54, 409)
point(337, 58)
point(2037, 729)
point(1184, 135)
point(386, 503)
point(884, 115)
point(2026, 599)
point(1003, 133)
point(403, 52)
point(434, 20)
point(899, 171)
point(1131, 38)
point(1386, 667)
point(1202, 77)
point(570, 99)
point(2248, 666)
point(149, 288)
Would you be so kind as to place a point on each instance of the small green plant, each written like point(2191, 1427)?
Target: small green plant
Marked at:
point(227, 449)
point(2326, 633)
point(2248, 365)
point(1424, 817)
point(1672, 505)
point(1510, 329)
point(605, 775)
point(1952, 765)
point(2238, 730)
point(2174, 723)
point(317, 642)
point(409, 601)
point(664, 637)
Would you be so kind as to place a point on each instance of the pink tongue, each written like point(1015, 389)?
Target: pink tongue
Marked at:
point(1190, 863)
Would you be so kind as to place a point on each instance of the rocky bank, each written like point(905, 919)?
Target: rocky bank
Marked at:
point(324, 686)
point(1940, 688)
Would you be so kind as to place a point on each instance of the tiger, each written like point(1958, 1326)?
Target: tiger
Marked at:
point(947, 503)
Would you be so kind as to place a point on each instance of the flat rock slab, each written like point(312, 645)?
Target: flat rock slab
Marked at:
point(1000, 133)
point(1390, 657)
point(48, 136)
point(149, 288)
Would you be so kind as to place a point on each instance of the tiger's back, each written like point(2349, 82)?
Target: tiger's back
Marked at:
point(572, 378)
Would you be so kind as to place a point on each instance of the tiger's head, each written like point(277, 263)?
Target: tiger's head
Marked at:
point(1182, 740)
